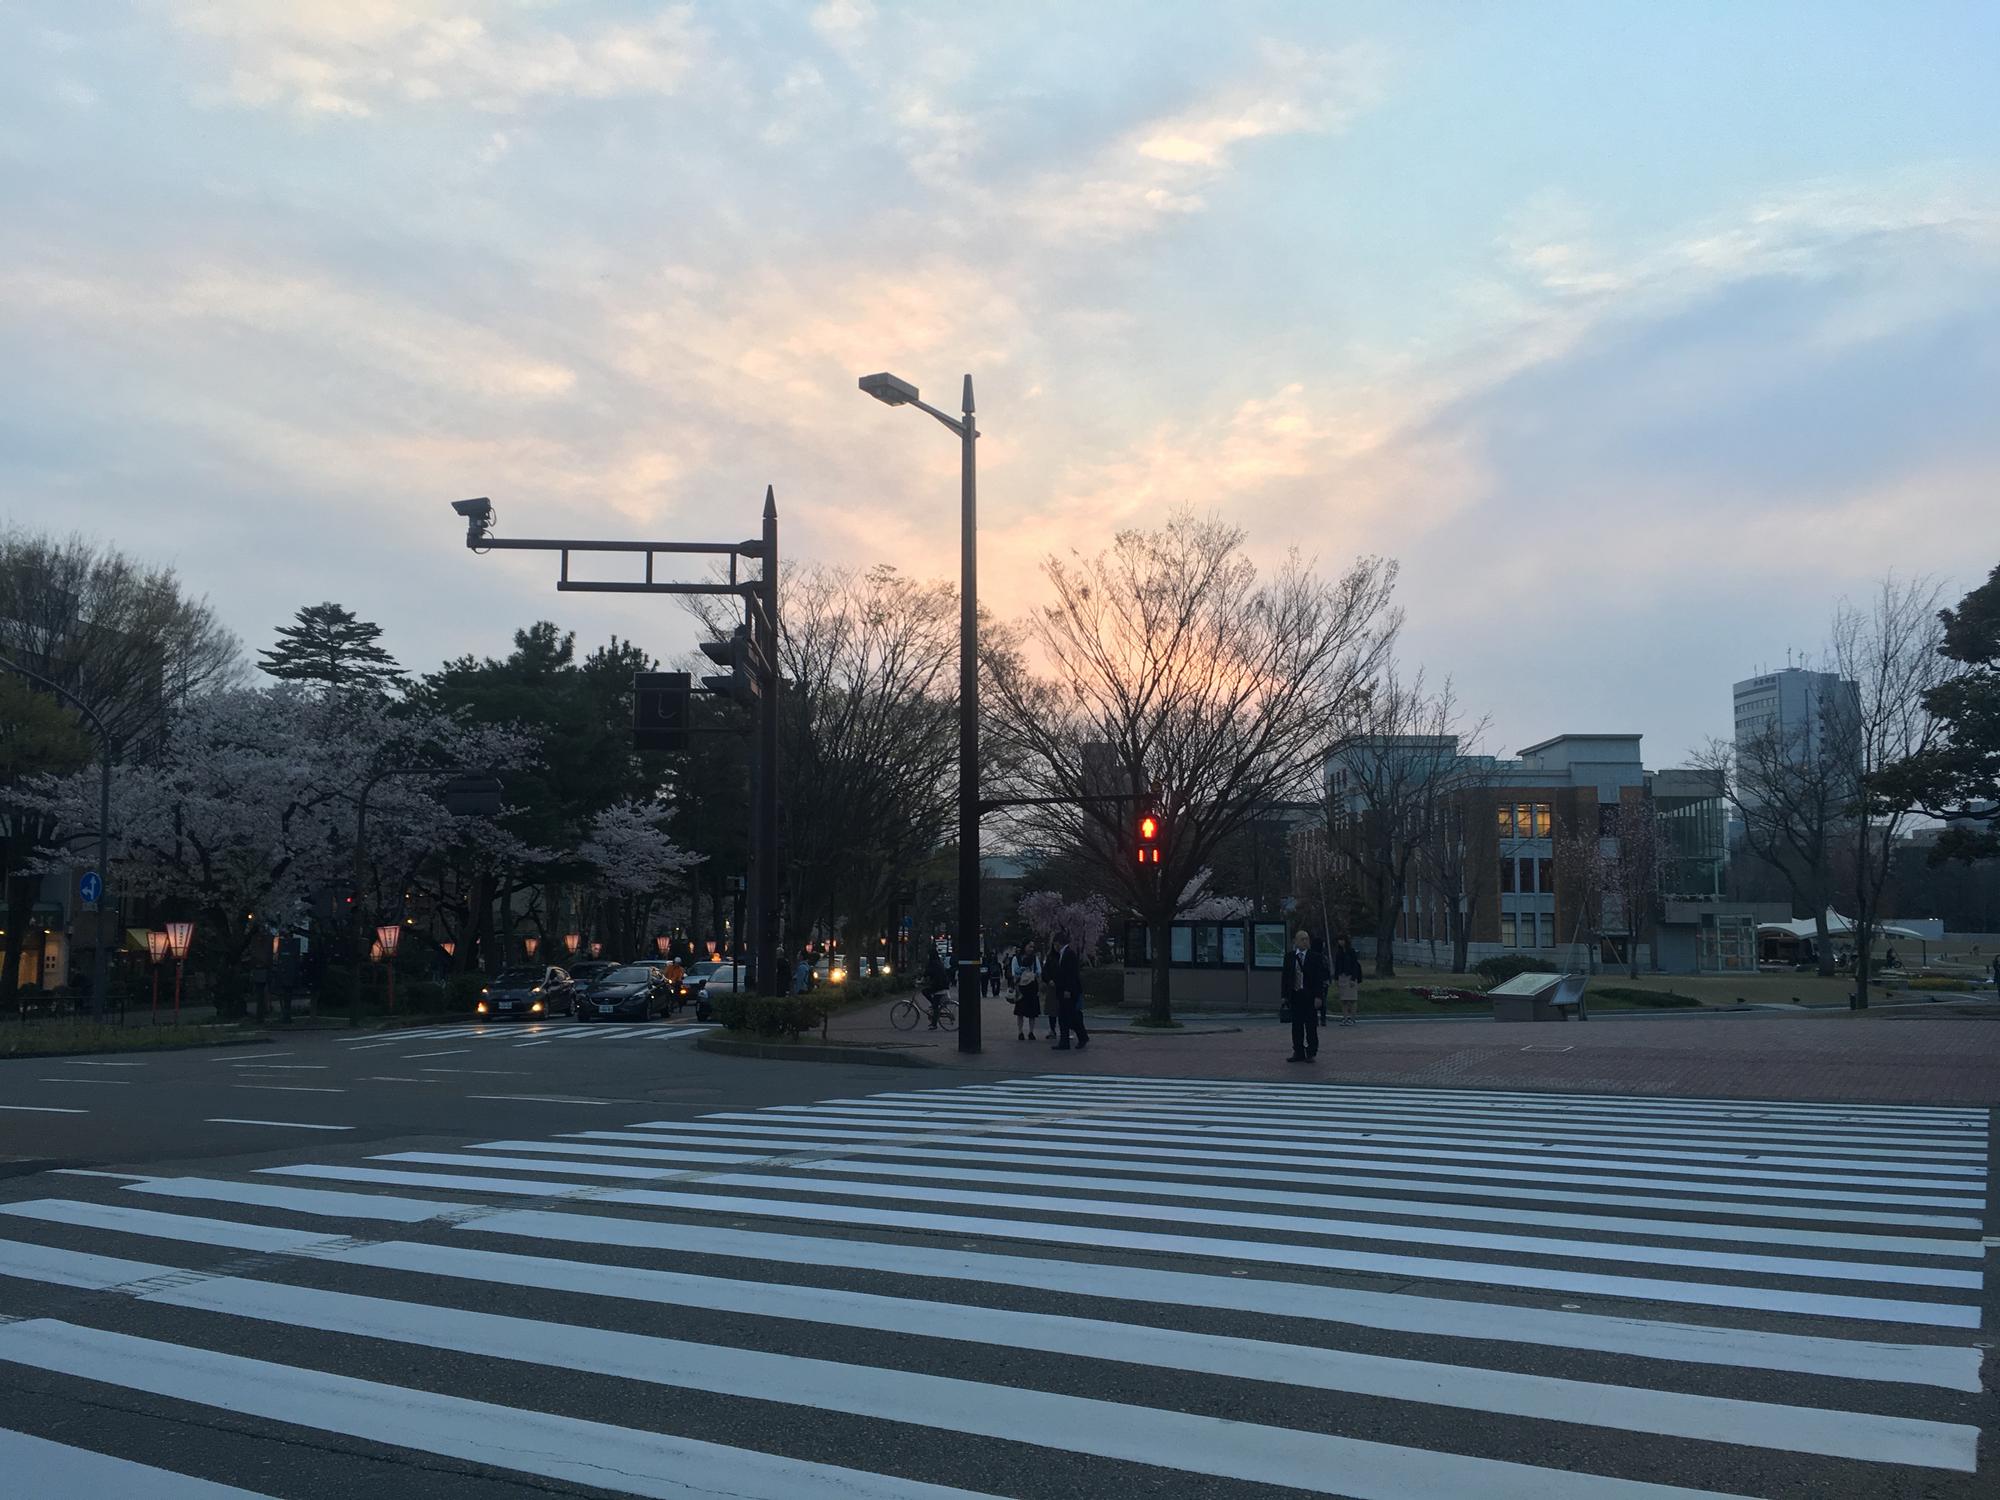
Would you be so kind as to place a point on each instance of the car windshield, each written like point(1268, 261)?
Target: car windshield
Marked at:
point(707, 971)
point(519, 976)
point(630, 974)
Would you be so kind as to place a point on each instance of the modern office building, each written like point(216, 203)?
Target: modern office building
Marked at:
point(1805, 709)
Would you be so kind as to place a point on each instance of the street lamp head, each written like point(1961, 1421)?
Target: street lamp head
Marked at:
point(888, 389)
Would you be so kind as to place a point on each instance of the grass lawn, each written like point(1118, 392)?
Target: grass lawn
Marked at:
point(69, 1036)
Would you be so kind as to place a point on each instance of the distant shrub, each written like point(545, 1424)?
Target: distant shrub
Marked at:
point(1631, 996)
point(1504, 966)
point(770, 1016)
point(461, 991)
point(1939, 982)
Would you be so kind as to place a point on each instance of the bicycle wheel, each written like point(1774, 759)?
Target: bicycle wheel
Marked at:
point(904, 1014)
point(947, 1016)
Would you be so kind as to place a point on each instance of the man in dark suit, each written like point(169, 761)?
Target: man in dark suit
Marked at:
point(1068, 972)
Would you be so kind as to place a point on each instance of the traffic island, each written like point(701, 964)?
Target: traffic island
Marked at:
point(79, 1038)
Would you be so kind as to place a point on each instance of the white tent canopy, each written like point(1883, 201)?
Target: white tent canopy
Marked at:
point(1837, 926)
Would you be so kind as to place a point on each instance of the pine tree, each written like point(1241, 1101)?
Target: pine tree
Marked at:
point(329, 646)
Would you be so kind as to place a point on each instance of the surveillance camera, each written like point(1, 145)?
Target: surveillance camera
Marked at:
point(479, 512)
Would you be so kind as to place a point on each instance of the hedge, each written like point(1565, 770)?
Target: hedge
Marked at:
point(771, 1016)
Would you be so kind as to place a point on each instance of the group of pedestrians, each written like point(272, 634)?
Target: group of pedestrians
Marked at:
point(1062, 975)
point(1307, 978)
point(1038, 985)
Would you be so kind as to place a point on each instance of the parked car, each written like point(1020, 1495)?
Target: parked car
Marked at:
point(631, 992)
point(682, 991)
point(721, 978)
point(527, 994)
point(590, 970)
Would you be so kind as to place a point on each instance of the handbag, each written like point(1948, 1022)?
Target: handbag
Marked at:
point(1284, 1010)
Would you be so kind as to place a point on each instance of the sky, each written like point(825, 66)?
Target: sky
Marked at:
point(1639, 335)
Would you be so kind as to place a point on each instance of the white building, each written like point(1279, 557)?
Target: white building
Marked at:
point(1804, 708)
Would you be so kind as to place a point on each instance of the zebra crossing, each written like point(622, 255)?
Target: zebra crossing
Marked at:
point(530, 1034)
point(1057, 1285)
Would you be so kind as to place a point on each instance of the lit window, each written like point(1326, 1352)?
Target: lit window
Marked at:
point(1524, 820)
point(1541, 820)
point(1506, 820)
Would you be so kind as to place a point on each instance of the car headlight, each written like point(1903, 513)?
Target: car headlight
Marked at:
point(481, 1007)
point(536, 1006)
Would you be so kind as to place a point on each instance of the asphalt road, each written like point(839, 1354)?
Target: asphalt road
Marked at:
point(501, 1262)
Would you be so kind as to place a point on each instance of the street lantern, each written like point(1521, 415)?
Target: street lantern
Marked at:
point(450, 948)
point(892, 391)
point(386, 937)
point(572, 941)
point(663, 943)
point(529, 945)
point(597, 950)
point(180, 937)
point(156, 954)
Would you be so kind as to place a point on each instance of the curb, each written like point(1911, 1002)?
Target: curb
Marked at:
point(230, 1041)
point(809, 1052)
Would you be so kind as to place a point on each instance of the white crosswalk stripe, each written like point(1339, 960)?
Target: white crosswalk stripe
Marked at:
point(531, 1033)
point(1139, 1279)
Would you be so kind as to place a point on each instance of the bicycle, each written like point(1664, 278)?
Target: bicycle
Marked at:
point(909, 1010)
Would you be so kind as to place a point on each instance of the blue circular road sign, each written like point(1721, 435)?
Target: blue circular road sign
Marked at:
point(91, 887)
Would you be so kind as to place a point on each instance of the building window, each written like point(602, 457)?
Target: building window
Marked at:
point(1507, 875)
point(1506, 820)
point(1524, 820)
point(1542, 820)
point(1548, 886)
point(1548, 929)
point(1527, 886)
point(1506, 929)
point(1607, 820)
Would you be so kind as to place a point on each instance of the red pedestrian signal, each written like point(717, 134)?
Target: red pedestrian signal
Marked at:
point(1148, 830)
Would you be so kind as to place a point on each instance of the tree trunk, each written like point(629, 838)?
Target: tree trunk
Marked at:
point(1461, 941)
point(1822, 946)
point(20, 906)
point(1161, 1010)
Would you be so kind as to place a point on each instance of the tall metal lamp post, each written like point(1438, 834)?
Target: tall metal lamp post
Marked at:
point(891, 391)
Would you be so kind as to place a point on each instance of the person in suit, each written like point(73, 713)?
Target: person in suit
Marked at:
point(1066, 969)
point(1298, 1005)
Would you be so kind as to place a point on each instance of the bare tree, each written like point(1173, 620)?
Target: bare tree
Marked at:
point(1167, 661)
point(1791, 795)
point(120, 635)
point(1454, 859)
point(1388, 776)
point(1613, 875)
point(1889, 649)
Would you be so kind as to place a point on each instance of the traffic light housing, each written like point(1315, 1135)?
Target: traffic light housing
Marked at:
point(1147, 832)
point(660, 710)
point(737, 654)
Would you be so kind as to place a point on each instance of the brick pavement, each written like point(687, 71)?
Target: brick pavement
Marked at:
point(1912, 1057)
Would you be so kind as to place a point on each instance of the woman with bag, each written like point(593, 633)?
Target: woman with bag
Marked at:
point(1027, 975)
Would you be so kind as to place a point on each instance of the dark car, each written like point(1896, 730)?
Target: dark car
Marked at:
point(583, 975)
point(633, 992)
point(526, 995)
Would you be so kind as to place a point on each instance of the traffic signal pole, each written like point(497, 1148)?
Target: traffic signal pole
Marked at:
point(760, 599)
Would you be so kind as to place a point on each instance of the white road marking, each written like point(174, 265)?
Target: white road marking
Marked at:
point(91, 1062)
point(1259, 1130)
point(296, 1200)
point(43, 1109)
point(284, 1067)
point(575, 1452)
point(484, 1072)
point(1214, 1192)
point(394, 1078)
point(288, 1088)
point(183, 1228)
point(584, 1143)
point(40, 1467)
point(448, 1052)
point(1277, 1150)
point(542, 1098)
point(286, 1124)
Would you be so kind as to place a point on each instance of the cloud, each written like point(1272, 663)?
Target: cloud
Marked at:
point(1161, 167)
point(357, 57)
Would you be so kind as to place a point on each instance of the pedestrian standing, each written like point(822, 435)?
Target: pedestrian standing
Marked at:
point(1300, 1004)
point(1293, 991)
point(1347, 976)
point(1027, 976)
point(1068, 980)
point(802, 972)
point(989, 972)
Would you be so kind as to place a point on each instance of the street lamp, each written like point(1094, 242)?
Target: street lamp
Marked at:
point(180, 937)
point(596, 950)
point(892, 391)
point(572, 941)
point(156, 952)
point(388, 935)
point(529, 945)
point(663, 943)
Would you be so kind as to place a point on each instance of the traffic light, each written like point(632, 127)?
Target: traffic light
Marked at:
point(1147, 830)
point(742, 683)
point(660, 710)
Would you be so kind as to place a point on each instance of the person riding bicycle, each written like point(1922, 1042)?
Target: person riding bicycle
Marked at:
point(937, 984)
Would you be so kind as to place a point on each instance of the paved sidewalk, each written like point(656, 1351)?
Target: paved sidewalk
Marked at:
point(1928, 1056)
